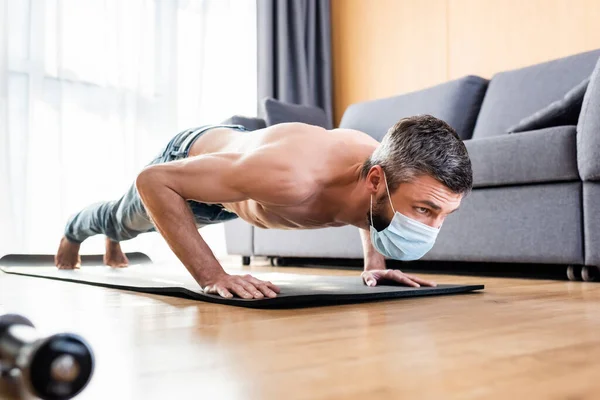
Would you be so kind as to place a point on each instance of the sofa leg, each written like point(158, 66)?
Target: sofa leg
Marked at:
point(245, 260)
point(590, 273)
point(574, 272)
point(278, 261)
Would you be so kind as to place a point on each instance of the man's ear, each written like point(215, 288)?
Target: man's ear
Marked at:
point(375, 178)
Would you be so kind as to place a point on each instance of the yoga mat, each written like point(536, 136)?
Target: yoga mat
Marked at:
point(173, 280)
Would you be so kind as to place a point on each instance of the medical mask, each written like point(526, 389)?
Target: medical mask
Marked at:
point(404, 239)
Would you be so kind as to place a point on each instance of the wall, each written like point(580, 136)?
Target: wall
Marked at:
point(386, 47)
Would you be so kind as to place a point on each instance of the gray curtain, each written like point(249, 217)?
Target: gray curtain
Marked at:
point(294, 52)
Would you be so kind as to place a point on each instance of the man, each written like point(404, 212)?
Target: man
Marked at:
point(288, 176)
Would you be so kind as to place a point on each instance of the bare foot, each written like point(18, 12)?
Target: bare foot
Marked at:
point(67, 256)
point(114, 256)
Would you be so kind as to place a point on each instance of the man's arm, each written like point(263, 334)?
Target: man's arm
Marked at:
point(164, 189)
point(373, 259)
point(375, 268)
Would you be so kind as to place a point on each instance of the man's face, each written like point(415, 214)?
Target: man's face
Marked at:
point(424, 199)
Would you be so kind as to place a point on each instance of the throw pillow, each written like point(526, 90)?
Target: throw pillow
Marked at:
point(277, 112)
point(561, 112)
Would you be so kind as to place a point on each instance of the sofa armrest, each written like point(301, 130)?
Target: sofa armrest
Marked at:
point(545, 155)
point(588, 130)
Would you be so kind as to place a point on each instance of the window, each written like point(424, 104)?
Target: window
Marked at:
point(96, 88)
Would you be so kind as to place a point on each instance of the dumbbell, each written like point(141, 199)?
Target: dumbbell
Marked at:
point(56, 367)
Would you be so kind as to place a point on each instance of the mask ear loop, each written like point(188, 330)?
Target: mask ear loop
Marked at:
point(388, 192)
point(371, 210)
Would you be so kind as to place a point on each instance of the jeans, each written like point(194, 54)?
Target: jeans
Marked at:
point(126, 218)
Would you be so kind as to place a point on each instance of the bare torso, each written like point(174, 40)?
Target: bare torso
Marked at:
point(324, 163)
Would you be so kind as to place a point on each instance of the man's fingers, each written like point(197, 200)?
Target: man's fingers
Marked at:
point(266, 288)
point(245, 287)
point(420, 281)
point(267, 291)
point(273, 287)
point(240, 291)
point(402, 278)
point(252, 289)
point(369, 279)
point(221, 291)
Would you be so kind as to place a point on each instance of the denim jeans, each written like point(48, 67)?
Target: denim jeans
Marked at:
point(126, 218)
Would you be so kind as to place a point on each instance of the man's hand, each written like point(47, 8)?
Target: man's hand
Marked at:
point(375, 276)
point(246, 287)
point(376, 272)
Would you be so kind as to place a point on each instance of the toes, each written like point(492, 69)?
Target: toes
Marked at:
point(116, 261)
point(68, 266)
point(116, 264)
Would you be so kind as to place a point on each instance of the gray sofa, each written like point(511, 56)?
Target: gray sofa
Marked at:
point(536, 196)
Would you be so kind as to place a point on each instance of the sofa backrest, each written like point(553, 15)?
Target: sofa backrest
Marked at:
point(514, 95)
point(457, 102)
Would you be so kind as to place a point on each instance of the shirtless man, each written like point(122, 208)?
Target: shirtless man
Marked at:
point(287, 176)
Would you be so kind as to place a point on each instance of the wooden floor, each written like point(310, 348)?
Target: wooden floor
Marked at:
point(520, 339)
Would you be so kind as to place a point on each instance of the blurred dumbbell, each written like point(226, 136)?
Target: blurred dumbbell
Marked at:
point(56, 367)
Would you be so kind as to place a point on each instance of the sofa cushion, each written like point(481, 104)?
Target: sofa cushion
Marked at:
point(588, 130)
point(278, 112)
point(546, 155)
point(456, 102)
point(239, 237)
point(525, 224)
point(342, 242)
point(560, 112)
point(249, 123)
point(513, 95)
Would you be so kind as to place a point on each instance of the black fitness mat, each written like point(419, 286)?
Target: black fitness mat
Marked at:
point(173, 280)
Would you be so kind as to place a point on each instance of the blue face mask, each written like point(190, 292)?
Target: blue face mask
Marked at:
point(404, 239)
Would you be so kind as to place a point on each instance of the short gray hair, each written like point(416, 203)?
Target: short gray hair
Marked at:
point(423, 145)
